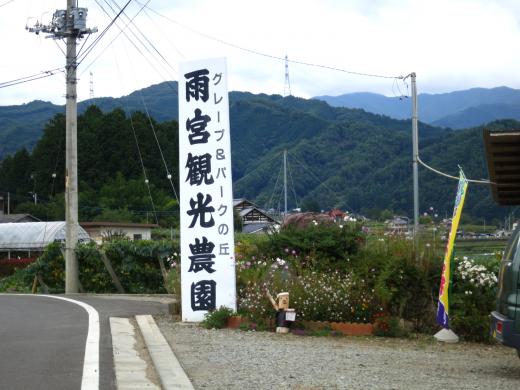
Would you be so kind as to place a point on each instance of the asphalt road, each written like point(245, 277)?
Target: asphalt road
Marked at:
point(42, 340)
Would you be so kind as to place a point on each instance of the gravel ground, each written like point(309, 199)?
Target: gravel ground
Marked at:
point(234, 359)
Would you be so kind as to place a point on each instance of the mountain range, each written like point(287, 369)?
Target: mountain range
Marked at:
point(337, 157)
point(456, 110)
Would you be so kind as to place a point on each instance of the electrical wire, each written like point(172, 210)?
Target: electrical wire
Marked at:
point(121, 31)
point(165, 35)
point(144, 35)
point(36, 76)
point(221, 41)
point(7, 2)
point(81, 57)
point(450, 176)
point(169, 82)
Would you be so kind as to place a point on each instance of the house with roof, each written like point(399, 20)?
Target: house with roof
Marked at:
point(398, 225)
point(98, 231)
point(254, 218)
point(17, 218)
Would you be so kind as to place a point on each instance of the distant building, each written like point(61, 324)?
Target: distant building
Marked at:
point(337, 215)
point(16, 218)
point(254, 218)
point(397, 226)
point(133, 231)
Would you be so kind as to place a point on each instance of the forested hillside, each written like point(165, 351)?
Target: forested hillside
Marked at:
point(111, 180)
point(337, 157)
point(22, 126)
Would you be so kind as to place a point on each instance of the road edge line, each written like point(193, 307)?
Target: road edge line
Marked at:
point(90, 377)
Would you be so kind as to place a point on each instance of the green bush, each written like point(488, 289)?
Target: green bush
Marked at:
point(472, 297)
point(319, 247)
point(217, 319)
point(135, 263)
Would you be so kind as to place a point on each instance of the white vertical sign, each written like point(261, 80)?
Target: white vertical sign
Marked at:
point(206, 196)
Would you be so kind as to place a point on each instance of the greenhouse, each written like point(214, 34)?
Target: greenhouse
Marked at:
point(34, 236)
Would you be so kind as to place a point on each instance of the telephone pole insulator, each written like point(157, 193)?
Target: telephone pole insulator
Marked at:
point(71, 25)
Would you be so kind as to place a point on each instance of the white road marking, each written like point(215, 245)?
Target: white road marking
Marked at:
point(90, 379)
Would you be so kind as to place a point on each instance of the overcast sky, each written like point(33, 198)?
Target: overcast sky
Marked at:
point(450, 44)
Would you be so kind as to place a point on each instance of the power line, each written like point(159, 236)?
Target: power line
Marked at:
point(267, 55)
point(165, 35)
point(122, 31)
point(81, 56)
point(450, 176)
point(36, 76)
point(7, 2)
point(144, 35)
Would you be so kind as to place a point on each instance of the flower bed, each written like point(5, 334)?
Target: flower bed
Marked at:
point(7, 266)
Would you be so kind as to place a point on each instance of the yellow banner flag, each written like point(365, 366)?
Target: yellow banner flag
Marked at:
point(443, 307)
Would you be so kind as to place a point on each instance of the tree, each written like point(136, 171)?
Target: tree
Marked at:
point(310, 205)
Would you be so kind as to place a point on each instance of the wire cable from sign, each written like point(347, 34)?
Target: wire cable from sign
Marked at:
point(146, 181)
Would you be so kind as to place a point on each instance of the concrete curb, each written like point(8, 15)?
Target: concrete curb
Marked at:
point(168, 368)
point(170, 300)
point(130, 367)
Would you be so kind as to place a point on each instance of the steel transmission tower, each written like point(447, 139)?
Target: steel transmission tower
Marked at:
point(69, 24)
point(91, 85)
point(287, 85)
